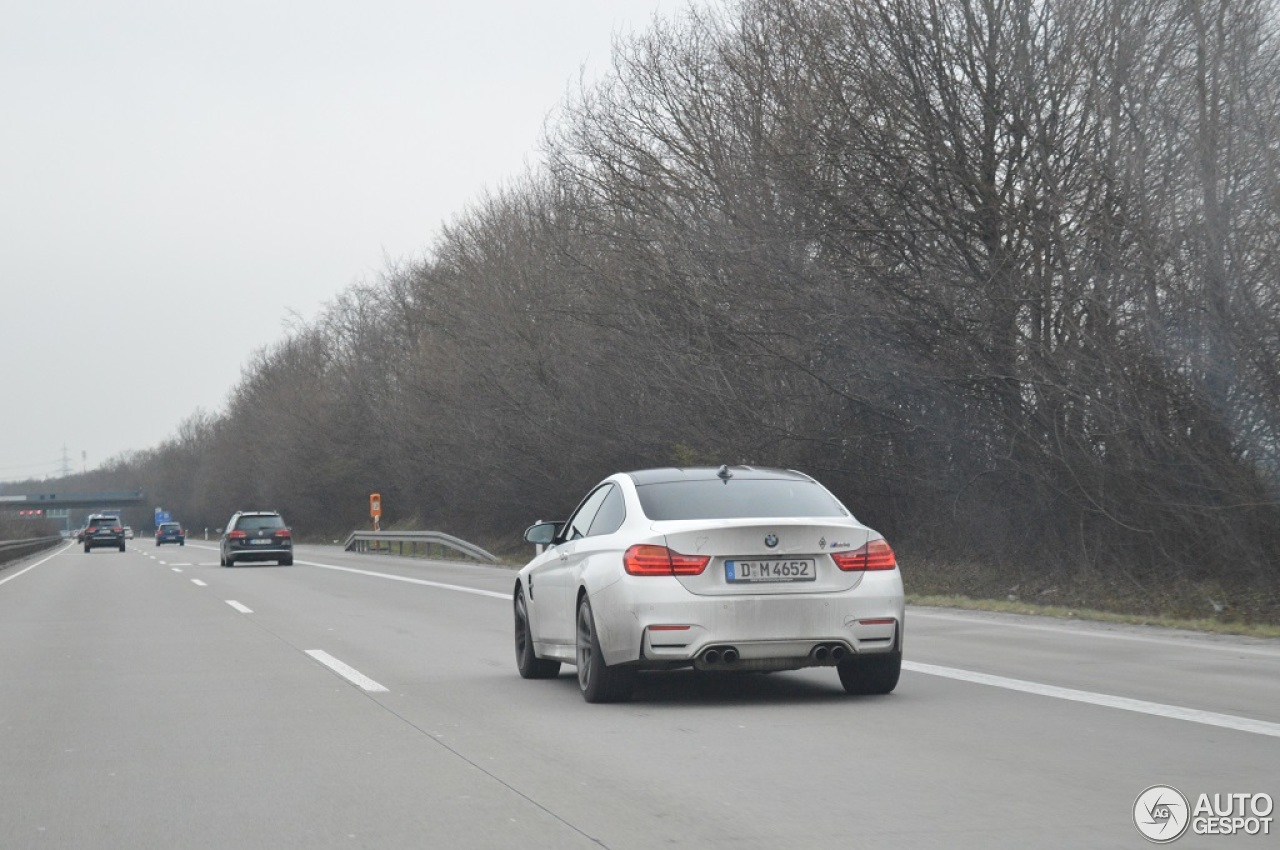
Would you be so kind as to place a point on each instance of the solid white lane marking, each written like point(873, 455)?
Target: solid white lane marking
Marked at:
point(1192, 641)
point(236, 605)
point(351, 674)
point(1210, 718)
point(490, 593)
point(1176, 712)
point(198, 583)
point(36, 564)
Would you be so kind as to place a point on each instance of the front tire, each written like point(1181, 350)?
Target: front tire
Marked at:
point(529, 664)
point(870, 674)
point(598, 681)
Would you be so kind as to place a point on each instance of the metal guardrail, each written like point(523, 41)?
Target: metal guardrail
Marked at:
point(366, 541)
point(12, 550)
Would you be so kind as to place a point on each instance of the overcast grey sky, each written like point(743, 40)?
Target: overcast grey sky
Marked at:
point(178, 179)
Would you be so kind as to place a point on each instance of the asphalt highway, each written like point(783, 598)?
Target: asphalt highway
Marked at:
point(152, 699)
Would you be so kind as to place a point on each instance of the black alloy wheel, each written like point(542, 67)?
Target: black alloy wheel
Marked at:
point(598, 681)
point(870, 674)
point(529, 664)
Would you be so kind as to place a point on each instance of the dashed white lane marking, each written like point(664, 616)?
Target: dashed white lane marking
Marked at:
point(198, 583)
point(352, 675)
point(1176, 712)
point(175, 569)
point(241, 608)
point(490, 593)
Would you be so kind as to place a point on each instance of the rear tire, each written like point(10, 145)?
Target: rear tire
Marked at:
point(121, 547)
point(285, 562)
point(528, 663)
point(870, 674)
point(598, 681)
point(229, 561)
point(87, 547)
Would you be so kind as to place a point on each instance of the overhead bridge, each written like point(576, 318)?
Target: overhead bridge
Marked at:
point(48, 502)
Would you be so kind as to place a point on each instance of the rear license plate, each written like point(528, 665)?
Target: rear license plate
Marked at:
point(260, 541)
point(800, 569)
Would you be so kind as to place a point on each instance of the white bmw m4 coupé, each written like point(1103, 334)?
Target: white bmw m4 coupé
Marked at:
point(736, 568)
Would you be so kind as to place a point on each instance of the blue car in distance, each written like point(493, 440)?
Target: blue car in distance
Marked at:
point(170, 532)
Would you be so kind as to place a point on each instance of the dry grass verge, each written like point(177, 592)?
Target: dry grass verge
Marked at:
point(1114, 597)
point(1259, 630)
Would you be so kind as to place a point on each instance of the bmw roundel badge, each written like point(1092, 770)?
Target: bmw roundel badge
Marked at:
point(771, 540)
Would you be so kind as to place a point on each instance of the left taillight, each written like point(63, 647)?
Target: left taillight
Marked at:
point(875, 555)
point(650, 560)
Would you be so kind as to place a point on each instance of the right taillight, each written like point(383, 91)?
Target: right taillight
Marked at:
point(875, 555)
point(650, 560)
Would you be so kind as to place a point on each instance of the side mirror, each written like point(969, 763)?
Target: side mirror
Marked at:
point(543, 533)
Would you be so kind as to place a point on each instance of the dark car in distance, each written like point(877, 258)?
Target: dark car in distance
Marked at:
point(103, 530)
point(170, 532)
point(256, 536)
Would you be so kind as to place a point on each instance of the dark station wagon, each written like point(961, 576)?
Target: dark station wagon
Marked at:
point(256, 536)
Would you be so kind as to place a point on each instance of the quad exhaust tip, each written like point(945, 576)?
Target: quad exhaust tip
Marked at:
point(828, 653)
point(720, 654)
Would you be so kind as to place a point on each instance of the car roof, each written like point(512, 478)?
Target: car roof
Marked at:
point(705, 473)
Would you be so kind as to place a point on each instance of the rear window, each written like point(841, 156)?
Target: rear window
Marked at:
point(737, 498)
point(170, 526)
point(259, 523)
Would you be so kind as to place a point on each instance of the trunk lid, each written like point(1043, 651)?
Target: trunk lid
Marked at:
point(744, 563)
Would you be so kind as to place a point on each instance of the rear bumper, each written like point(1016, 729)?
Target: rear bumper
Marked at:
point(103, 542)
point(260, 554)
point(656, 622)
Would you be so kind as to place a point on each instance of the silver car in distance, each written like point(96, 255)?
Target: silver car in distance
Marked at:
point(736, 568)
